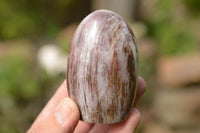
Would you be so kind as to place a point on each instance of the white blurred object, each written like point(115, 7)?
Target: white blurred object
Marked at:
point(52, 59)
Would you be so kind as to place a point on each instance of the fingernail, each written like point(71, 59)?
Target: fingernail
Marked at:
point(142, 83)
point(63, 111)
point(136, 114)
point(135, 111)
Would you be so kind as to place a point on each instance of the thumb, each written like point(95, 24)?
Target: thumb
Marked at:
point(63, 119)
point(67, 115)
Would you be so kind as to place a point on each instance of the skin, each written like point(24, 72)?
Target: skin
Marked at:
point(61, 115)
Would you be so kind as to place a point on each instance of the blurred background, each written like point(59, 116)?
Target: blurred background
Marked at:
point(34, 41)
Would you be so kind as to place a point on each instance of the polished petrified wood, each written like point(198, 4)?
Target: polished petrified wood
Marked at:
point(102, 68)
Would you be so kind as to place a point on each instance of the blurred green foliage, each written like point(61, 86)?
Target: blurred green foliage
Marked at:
point(173, 40)
point(193, 5)
point(31, 18)
point(22, 83)
point(173, 36)
point(172, 33)
point(17, 76)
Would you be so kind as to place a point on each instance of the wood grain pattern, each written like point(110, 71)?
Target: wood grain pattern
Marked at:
point(102, 68)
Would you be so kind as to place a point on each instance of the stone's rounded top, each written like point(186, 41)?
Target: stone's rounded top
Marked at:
point(104, 12)
point(102, 24)
point(103, 15)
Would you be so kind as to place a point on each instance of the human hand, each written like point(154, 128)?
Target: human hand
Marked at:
point(61, 115)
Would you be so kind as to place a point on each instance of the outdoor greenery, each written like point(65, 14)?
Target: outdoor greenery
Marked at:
point(34, 18)
point(172, 33)
point(25, 86)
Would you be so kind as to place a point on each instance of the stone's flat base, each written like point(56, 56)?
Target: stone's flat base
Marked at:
point(99, 122)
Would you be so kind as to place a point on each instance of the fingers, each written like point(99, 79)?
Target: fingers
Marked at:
point(83, 127)
point(53, 102)
point(63, 119)
point(61, 114)
point(129, 125)
point(67, 115)
point(100, 128)
point(140, 90)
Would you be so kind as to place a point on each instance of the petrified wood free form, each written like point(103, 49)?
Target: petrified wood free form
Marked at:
point(102, 68)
